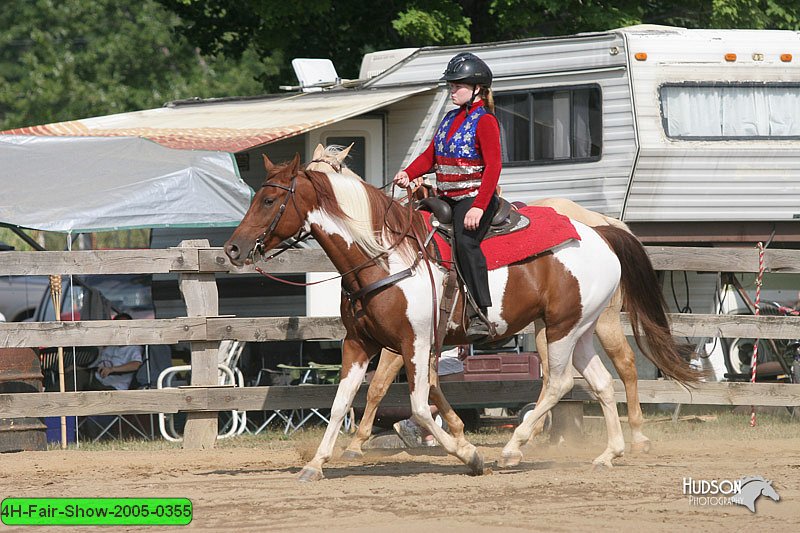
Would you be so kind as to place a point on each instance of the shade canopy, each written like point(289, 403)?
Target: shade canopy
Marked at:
point(100, 184)
point(170, 166)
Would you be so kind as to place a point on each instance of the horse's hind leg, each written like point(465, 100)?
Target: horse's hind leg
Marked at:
point(612, 338)
point(541, 348)
point(389, 365)
point(559, 381)
point(454, 423)
point(588, 363)
point(355, 356)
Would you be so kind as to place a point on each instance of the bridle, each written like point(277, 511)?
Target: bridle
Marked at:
point(258, 247)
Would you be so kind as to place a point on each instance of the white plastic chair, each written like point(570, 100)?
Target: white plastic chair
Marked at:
point(229, 374)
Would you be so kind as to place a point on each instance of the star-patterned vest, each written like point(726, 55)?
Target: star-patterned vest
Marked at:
point(459, 166)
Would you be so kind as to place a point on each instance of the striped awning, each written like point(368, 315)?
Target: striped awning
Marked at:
point(229, 125)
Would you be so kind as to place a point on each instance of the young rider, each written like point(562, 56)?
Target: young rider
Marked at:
point(465, 154)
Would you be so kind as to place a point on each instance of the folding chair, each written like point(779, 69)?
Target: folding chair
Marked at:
point(229, 374)
point(305, 375)
point(80, 357)
point(105, 424)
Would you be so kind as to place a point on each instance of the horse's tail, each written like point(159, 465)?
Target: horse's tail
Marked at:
point(644, 302)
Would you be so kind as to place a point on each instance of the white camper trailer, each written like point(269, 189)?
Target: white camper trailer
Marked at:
point(690, 136)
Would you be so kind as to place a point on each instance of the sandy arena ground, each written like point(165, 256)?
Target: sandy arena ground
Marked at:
point(252, 486)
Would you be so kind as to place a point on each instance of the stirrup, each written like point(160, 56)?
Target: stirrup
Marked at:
point(477, 329)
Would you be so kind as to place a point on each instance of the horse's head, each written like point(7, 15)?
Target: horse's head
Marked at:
point(277, 212)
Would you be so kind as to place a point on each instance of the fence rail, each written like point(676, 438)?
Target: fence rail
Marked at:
point(459, 394)
point(213, 260)
point(173, 330)
point(196, 263)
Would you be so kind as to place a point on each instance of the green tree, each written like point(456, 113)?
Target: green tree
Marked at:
point(281, 31)
point(69, 59)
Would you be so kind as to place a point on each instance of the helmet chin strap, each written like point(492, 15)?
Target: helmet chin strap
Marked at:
point(472, 98)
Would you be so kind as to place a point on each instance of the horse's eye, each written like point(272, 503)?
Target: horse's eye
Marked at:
point(269, 201)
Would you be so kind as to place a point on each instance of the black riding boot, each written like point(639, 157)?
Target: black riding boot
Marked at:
point(477, 328)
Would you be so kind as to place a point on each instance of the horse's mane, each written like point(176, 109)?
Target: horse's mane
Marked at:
point(374, 220)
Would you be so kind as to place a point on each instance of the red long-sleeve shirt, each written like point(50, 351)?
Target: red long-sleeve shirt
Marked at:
point(487, 142)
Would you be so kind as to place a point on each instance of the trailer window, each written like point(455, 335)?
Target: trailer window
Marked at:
point(550, 125)
point(731, 111)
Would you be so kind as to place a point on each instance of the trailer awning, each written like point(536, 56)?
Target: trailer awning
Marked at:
point(229, 125)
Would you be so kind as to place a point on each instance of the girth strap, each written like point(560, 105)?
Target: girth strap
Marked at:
point(354, 297)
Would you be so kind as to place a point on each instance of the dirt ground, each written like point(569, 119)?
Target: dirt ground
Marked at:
point(251, 486)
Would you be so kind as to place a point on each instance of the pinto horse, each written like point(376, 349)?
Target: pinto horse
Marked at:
point(366, 235)
point(609, 327)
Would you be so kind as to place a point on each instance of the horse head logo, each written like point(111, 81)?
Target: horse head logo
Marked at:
point(752, 488)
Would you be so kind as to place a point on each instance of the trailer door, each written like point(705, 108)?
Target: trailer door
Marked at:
point(366, 158)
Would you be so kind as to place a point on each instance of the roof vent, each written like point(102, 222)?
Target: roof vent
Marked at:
point(314, 74)
point(377, 62)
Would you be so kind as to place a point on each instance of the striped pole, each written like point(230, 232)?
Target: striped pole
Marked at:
point(754, 362)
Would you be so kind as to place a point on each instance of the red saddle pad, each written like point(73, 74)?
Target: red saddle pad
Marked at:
point(547, 230)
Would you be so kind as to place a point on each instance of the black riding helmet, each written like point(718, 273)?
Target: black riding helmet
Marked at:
point(468, 68)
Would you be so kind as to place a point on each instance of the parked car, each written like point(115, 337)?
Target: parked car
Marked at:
point(19, 296)
point(99, 296)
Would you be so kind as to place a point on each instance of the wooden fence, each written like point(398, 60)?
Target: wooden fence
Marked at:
point(196, 263)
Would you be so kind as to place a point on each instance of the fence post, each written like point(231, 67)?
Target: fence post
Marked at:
point(200, 294)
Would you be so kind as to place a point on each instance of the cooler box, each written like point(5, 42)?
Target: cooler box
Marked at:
point(53, 424)
point(502, 367)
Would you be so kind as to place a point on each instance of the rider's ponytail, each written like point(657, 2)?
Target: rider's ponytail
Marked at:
point(488, 99)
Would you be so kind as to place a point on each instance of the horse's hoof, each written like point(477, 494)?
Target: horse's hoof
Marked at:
point(310, 474)
point(475, 465)
point(352, 454)
point(601, 465)
point(510, 459)
point(640, 447)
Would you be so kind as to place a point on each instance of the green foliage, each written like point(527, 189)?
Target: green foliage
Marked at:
point(756, 14)
point(107, 240)
point(531, 18)
point(443, 24)
point(69, 59)
point(280, 31)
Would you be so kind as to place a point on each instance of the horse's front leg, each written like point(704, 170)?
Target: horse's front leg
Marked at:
point(419, 384)
point(389, 365)
point(355, 356)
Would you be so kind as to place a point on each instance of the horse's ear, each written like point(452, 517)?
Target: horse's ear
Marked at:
point(295, 164)
point(341, 155)
point(319, 151)
point(267, 163)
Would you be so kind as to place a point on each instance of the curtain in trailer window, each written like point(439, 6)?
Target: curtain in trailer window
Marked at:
point(744, 112)
point(784, 111)
point(513, 113)
point(543, 134)
point(691, 111)
point(561, 124)
point(731, 111)
point(550, 125)
point(581, 132)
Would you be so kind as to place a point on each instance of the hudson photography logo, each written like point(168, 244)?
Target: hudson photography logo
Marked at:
point(721, 492)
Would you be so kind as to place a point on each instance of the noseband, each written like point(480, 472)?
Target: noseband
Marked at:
point(258, 248)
